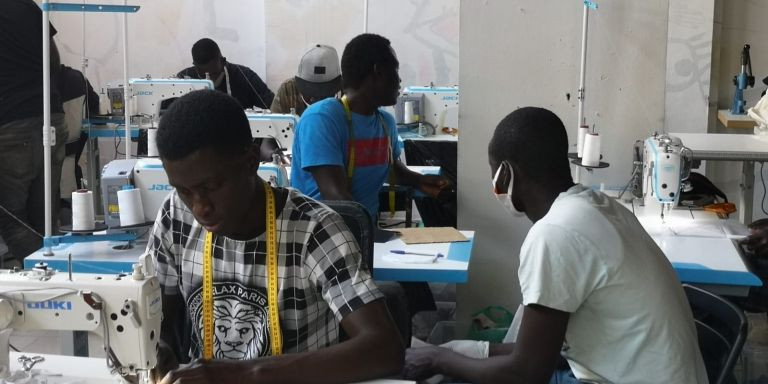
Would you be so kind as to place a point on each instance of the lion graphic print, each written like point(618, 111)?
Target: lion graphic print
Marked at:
point(240, 321)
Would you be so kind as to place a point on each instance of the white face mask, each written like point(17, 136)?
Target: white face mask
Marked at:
point(506, 198)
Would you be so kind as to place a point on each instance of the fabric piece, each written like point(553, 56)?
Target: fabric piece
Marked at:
point(322, 139)
point(630, 321)
point(321, 278)
point(429, 235)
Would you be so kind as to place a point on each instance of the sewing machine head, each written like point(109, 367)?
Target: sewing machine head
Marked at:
point(666, 165)
point(149, 97)
point(125, 310)
point(278, 126)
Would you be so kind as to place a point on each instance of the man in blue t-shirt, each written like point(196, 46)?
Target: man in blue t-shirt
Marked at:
point(345, 148)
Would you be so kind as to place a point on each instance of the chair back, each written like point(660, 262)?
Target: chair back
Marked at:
point(722, 330)
point(359, 222)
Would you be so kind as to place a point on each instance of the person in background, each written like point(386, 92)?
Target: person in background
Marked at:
point(347, 148)
point(22, 178)
point(329, 129)
point(236, 80)
point(218, 213)
point(597, 290)
point(79, 101)
point(318, 78)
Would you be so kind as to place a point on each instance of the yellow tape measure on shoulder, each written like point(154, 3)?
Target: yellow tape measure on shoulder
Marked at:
point(276, 335)
point(351, 155)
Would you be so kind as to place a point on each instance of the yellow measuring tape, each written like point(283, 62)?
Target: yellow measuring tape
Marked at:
point(351, 155)
point(274, 317)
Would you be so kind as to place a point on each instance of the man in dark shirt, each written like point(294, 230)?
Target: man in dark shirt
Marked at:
point(236, 80)
point(22, 215)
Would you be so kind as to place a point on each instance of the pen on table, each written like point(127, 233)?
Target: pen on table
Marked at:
point(402, 252)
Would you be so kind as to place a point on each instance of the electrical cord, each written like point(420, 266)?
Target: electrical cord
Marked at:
point(20, 221)
point(250, 85)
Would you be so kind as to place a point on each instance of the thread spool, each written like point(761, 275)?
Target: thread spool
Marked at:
point(408, 112)
point(129, 204)
point(83, 218)
point(583, 130)
point(152, 142)
point(591, 157)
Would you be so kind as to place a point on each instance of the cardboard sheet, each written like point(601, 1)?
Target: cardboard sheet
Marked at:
point(430, 235)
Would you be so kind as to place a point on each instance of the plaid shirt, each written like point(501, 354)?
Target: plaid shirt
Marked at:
point(321, 278)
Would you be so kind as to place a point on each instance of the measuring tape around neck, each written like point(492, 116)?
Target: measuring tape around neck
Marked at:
point(274, 318)
point(351, 155)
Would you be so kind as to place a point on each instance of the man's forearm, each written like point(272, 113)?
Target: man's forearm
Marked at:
point(490, 370)
point(353, 360)
point(404, 176)
point(495, 349)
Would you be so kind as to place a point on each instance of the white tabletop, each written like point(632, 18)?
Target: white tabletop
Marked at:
point(437, 137)
point(701, 247)
point(725, 146)
point(453, 268)
point(93, 257)
point(90, 370)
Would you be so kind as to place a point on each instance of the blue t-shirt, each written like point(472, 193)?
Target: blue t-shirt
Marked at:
point(322, 137)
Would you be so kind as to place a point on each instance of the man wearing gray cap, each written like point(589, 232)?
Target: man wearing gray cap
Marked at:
point(319, 77)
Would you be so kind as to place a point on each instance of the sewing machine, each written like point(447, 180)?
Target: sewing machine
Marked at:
point(147, 175)
point(666, 165)
point(150, 97)
point(124, 310)
point(150, 178)
point(437, 107)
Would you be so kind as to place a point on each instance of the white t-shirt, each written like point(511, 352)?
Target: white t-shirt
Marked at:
point(630, 321)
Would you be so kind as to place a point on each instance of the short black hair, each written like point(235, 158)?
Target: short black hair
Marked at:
point(203, 119)
point(535, 140)
point(360, 55)
point(205, 50)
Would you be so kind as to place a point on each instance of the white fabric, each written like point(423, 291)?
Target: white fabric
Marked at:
point(630, 321)
point(759, 113)
point(73, 113)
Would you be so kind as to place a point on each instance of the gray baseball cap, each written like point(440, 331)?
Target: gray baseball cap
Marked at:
point(319, 74)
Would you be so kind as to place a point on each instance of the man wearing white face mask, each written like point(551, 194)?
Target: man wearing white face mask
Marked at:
point(597, 290)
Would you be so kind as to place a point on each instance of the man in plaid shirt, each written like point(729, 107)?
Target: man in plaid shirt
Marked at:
point(205, 143)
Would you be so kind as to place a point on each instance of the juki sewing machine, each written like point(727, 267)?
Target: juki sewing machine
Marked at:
point(666, 165)
point(124, 310)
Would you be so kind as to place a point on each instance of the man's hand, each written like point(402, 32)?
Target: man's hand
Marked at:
point(166, 362)
point(216, 371)
point(422, 362)
point(431, 185)
point(757, 241)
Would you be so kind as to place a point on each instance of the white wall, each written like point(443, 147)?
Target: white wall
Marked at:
point(424, 33)
point(689, 66)
point(526, 52)
point(268, 36)
point(160, 37)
